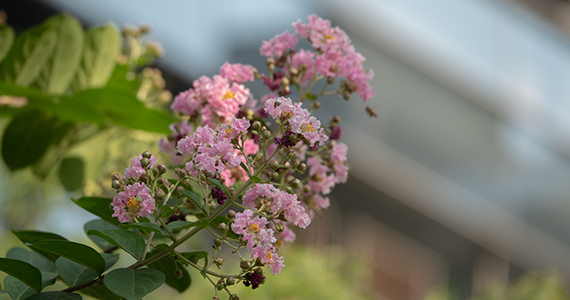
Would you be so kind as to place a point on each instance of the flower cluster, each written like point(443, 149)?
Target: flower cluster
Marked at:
point(230, 151)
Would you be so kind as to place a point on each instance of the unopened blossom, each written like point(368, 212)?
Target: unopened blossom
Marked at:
point(136, 170)
point(135, 201)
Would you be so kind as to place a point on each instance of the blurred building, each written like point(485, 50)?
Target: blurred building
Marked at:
point(464, 177)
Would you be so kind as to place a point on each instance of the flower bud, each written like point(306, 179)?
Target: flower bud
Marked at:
point(145, 162)
point(146, 154)
point(218, 242)
point(346, 95)
point(289, 179)
point(273, 164)
point(230, 281)
point(116, 184)
point(316, 105)
point(161, 168)
point(223, 227)
point(256, 125)
point(279, 227)
point(234, 297)
point(155, 173)
point(335, 119)
point(274, 175)
point(258, 156)
point(231, 214)
point(306, 189)
point(301, 168)
point(219, 261)
point(330, 79)
point(293, 72)
point(296, 183)
point(289, 190)
point(284, 81)
point(180, 172)
point(159, 195)
point(266, 134)
point(244, 265)
point(290, 154)
point(116, 177)
point(212, 204)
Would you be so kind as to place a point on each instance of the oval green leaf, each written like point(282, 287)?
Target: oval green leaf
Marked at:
point(30, 237)
point(133, 284)
point(31, 257)
point(19, 290)
point(58, 71)
point(127, 240)
point(22, 271)
point(75, 274)
point(176, 275)
point(76, 252)
point(26, 139)
point(100, 224)
point(100, 292)
point(196, 199)
point(71, 172)
point(6, 39)
point(56, 295)
point(98, 206)
point(101, 48)
point(147, 227)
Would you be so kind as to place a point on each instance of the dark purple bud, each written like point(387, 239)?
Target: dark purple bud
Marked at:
point(336, 133)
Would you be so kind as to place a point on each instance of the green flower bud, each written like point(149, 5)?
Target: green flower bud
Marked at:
point(301, 168)
point(223, 227)
point(218, 242)
point(116, 184)
point(230, 281)
point(289, 179)
point(274, 175)
point(273, 164)
point(161, 168)
point(296, 183)
point(159, 195)
point(146, 154)
point(231, 214)
point(219, 261)
point(289, 190)
point(155, 173)
point(290, 154)
point(234, 297)
point(256, 125)
point(244, 265)
point(266, 134)
point(145, 162)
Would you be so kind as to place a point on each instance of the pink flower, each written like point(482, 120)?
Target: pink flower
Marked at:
point(253, 228)
point(237, 72)
point(304, 60)
point(234, 129)
point(179, 131)
point(134, 201)
point(278, 45)
point(136, 168)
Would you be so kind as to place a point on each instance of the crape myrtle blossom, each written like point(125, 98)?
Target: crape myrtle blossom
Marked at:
point(135, 201)
point(136, 170)
point(298, 119)
point(277, 201)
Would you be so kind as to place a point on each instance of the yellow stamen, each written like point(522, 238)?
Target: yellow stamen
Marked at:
point(329, 36)
point(228, 95)
point(286, 115)
point(269, 255)
point(279, 243)
point(307, 127)
point(133, 204)
point(254, 228)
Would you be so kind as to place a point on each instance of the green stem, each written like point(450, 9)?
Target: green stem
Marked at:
point(197, 267)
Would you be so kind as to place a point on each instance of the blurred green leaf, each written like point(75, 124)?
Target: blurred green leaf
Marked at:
point(61, 134)
point(125, 109)
point(31, 257)
point(127, 240)
point(26, 139)
point(22, 271)
point(76, 252)
point(75, 274)
point(58, 71)
point(100, 292)
point(19, 290)
point(28, 55)
point(55, 296)
point(179, 225)
point(30, 237)
point(71, 173)
point(101, 48)
point(98, 206)
point(176, 275)
point(133, 284)
point(123, 80)
point(196, 199)
point(100, 225)
point(6, 39)
point(147, 227)
point(310, 96)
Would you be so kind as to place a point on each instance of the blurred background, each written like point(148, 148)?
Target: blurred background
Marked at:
point(459, 186)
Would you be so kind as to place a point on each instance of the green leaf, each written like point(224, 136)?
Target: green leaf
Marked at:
point(71, 173)
point(6, 40)
point(179, 225)
point(101, 48)
point(133, 284)
point(100, 225)
point(100, 292)
point(64, 107)
point(98, 206)
point(220, 185)
point(74, 273)
point(195, 256)
point(28, 55)
point(245, 168)
point(125, 109)
point(166, 211)
point(22, 271)
point(123, 80)
point(310, 96)
point(30, 237)
point(147, 227)
point(19, 290)
point(58, 72)
point(56, 295)
point(31, 257)
point(196, 199)
point(26, 139)
point(127, 240)
point(176, 275)
point(256, 179)
point(76, 252)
